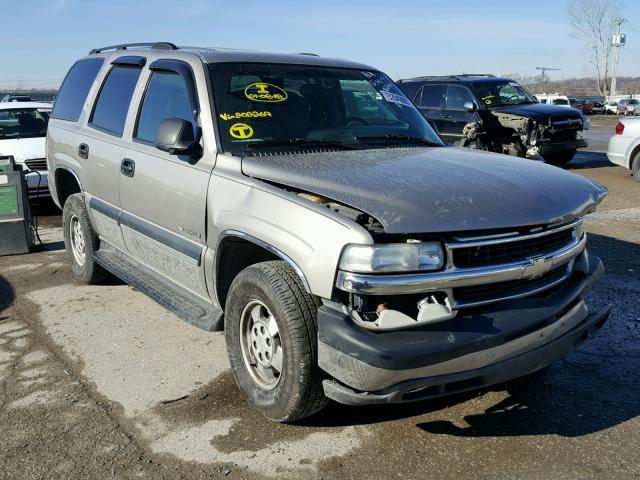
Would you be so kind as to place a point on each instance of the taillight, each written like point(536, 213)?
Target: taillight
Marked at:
point(619, 128)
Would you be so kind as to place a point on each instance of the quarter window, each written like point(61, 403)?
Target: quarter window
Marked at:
point(166, 97)
point(75, 88)
point(110, 111)
point(432, 96)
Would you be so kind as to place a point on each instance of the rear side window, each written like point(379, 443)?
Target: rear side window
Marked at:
point(432, 96)
point(75, 88)
point(110, 110)
point(166, 97)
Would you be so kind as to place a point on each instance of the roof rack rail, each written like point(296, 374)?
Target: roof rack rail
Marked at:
point(475, 75)
point(308, 53)
point(125, 46)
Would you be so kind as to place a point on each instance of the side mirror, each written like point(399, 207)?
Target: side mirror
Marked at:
point(470, 107)
point(176, 136)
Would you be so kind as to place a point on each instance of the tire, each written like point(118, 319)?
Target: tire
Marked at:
point(79, 237)
point(272, 292)
point(560, 158)
point(635, 167)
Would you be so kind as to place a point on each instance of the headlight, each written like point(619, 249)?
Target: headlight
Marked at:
point(395, 257)
point(586, 122)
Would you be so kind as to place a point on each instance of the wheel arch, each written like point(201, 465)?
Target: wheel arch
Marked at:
point(634, 151)
point(66, 184)
point(236, 251)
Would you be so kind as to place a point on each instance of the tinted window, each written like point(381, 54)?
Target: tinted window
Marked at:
point(457, 96)
point(166, 97)
point(279, 107)
point(75, 88)
point(110, 111)
point(432, 96)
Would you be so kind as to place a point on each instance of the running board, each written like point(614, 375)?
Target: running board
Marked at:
point(187, 306)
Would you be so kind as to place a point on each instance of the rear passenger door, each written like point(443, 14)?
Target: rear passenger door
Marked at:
point(163, 196)
point(430, 102)
point(100, 148)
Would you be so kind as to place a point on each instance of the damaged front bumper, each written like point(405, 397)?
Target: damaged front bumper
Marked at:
point(504, 341)
point(538, 151)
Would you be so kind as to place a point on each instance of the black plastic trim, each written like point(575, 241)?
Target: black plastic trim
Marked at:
point(467, 333)
point(104, 208)
point(181, 68)
point(171, 240)
point(130, 60)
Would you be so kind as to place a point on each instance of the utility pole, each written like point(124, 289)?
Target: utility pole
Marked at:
point(617, 41)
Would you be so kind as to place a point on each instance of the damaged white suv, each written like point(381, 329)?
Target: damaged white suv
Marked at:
point(305, 206)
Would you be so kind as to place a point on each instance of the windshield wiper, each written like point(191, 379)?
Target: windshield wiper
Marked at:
point(406, 138)
point(302, 141)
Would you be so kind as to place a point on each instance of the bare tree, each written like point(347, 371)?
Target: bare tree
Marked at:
point(593, 21)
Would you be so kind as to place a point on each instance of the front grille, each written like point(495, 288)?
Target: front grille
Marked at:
point(37, 164)
point(495, 291)
point(509, 252)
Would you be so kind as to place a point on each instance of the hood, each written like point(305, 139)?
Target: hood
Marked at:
point(436, 189)
point(23, 148)
point(540, 112)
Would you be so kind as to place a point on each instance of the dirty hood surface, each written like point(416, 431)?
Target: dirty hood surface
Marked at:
point(540, 112)
point(439, 189)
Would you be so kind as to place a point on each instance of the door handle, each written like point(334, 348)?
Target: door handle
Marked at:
point(83, 151)
point(127, 167)
point(447, 116)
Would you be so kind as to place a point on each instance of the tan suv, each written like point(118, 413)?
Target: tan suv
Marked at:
point(305, 206)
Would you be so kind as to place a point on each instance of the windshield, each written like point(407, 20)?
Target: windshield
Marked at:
point(497, 94)
point(275, 106)
point(23, 123)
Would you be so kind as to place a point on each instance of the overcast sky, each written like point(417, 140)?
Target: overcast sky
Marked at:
point(42, 38)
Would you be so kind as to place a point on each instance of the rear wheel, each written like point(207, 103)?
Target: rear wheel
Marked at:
point(560, 158)
point(271, 337)
point(81, 241)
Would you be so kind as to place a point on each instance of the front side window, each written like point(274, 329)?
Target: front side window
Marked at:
point(75, 88)
point(500, 93)
point(112, 105)
point(457, 96)
point(166, 97)
point(23, 123)
point(279, 106)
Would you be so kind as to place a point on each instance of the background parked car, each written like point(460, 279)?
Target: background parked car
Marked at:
point(624, 146)
point(598, 108)
point(611, 108)
point(23, 128)
point(626, 106)
point(18, 98)
point(497, 114)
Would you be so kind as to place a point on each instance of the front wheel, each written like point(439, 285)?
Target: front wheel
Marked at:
point(271, 337)
point(560, 158)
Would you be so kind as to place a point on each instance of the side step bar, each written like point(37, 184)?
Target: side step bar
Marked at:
point(187, 306)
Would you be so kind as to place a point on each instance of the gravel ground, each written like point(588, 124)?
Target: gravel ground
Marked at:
point(100, 382)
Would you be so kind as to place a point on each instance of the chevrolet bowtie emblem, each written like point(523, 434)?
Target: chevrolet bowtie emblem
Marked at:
point(537, 267)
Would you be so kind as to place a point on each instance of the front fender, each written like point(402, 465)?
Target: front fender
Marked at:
point(293, 228)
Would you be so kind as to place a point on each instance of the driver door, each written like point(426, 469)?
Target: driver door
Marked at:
point(454, 117)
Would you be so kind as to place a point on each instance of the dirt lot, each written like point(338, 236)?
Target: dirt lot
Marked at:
point(100, 382)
